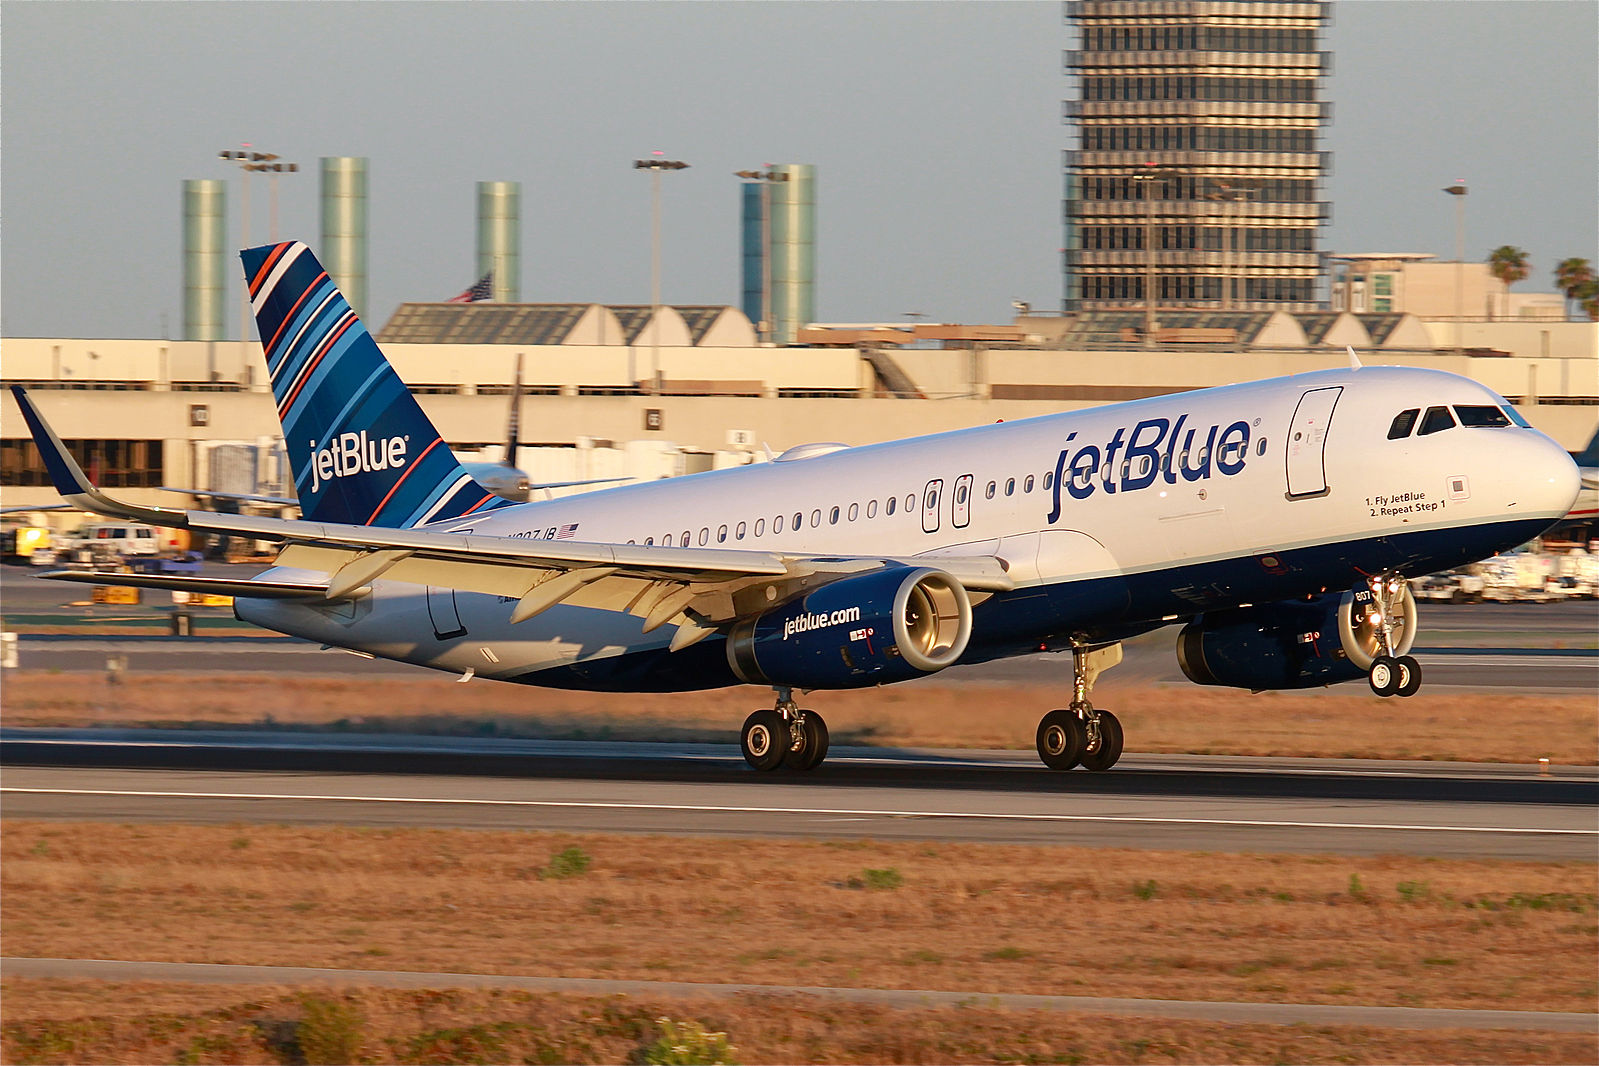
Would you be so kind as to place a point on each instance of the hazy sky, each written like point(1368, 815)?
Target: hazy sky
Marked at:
point(935, 128)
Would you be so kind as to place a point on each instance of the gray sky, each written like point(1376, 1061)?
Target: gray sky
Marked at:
point(935, 128)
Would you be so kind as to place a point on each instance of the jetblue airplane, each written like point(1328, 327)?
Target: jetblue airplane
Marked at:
point(1276, 521)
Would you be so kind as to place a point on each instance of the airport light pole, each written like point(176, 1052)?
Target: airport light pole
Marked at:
point(1458, 191)
point(655, 164)
point(1238, 192)
point(1146, 176)
point(250, 161)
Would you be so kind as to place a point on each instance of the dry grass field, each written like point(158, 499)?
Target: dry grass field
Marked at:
point(1342, 722)
point(980, 918)
point(79, 1021)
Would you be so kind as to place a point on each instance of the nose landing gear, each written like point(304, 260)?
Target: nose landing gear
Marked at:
point(1081, 735)
point(1390, 674)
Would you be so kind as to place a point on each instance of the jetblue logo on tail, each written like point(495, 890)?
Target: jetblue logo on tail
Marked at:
point(354, 453)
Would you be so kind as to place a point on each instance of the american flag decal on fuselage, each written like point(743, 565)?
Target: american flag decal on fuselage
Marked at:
point(343, 408)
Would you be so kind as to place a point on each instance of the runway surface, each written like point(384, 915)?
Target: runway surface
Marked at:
point(1247, 1013)
point(1157, 802)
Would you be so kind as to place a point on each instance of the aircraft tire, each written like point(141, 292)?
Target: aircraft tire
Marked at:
point(813, 746)
point(1384, 677)
point(764, 740)
point(1409, 676)
point(1110, 744)
point(1060, 739)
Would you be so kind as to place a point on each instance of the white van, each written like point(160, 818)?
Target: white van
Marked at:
point(119, 538)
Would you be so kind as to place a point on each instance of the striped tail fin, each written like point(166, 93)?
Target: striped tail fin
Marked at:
point(361, 449)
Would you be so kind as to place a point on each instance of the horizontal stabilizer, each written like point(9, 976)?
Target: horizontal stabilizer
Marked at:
point(211, 586)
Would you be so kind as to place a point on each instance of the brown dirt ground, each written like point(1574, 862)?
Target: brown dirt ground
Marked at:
point(1398, 931)
point(85, 1021)
point(1347, 722)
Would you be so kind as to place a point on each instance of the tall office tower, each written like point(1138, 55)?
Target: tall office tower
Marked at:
point(1195, 173)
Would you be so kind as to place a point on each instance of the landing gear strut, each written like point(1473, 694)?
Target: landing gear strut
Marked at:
point(1390, 675)
point(1081, 735)
point(784, 736)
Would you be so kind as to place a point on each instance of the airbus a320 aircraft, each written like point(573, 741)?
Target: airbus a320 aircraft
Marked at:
point(1276, 521)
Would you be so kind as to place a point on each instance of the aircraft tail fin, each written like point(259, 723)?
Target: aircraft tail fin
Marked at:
point(361, 449)
point(512, 444)
point(1589, 456)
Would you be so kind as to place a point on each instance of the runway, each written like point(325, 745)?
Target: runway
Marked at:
point(1149, 802)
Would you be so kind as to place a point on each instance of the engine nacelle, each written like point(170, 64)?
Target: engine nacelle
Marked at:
point(867, 629)
point(1294, 643)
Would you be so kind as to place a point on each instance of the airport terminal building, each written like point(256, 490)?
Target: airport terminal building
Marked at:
point(624, 391)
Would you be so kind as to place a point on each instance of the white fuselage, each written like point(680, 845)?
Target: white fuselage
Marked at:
point(1186, 502)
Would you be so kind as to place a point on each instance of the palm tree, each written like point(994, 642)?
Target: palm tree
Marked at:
point(1571, 276)
point(1509, 264)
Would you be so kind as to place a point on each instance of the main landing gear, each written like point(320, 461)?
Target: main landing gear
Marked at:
point(1390, 674)
point(1081, 735)
point(784, 736)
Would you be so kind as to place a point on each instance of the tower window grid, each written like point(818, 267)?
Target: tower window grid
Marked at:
point(1225, 102)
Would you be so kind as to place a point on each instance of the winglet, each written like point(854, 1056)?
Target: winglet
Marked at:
point(71, 482)
point(1354, 360)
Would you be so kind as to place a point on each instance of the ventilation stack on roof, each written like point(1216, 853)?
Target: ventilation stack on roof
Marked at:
point(499, 237)
point(343, 249)
point(205, 259)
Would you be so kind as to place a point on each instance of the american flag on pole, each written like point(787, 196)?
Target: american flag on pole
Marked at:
point(483, 290)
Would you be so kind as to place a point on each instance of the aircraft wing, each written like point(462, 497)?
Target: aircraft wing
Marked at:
point(697, 589)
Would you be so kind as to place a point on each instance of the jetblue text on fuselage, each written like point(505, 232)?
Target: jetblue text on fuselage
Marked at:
point(353, 453)
point(1135, 459)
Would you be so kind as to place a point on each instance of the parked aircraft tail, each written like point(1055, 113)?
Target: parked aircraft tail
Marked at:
point(361, 449)
point(1589, 456)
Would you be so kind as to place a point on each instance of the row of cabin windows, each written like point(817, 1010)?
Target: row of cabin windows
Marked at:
point(1027, 484)
point(1438, 419)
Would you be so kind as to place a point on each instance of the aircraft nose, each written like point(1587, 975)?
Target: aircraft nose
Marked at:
point(1549, 481)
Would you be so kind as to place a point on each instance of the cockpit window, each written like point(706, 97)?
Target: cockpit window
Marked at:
point(1403, 423)
point(1515, 416)
point(1480, 416)
point(1436, 420)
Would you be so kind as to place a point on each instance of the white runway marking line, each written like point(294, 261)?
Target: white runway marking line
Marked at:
point(697, 808)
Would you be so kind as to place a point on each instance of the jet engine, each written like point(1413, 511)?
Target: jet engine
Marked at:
point(1294, 643)
point(888, 625)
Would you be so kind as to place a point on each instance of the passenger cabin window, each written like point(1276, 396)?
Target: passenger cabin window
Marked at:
point(1010, 486)
point(1403, 423)
point(854, 511)
point(760, 526)
point(990, 490)
point(871, 508)
point(740, 533)
point(721, 535)
point(1436, 420)
point(1027, 486)
point(892, 502)
point(832, 516)
point(1260, 449)
point(777, 525)
point(1480, 416)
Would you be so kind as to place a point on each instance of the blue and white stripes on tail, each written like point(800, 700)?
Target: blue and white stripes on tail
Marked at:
point(360, 447)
